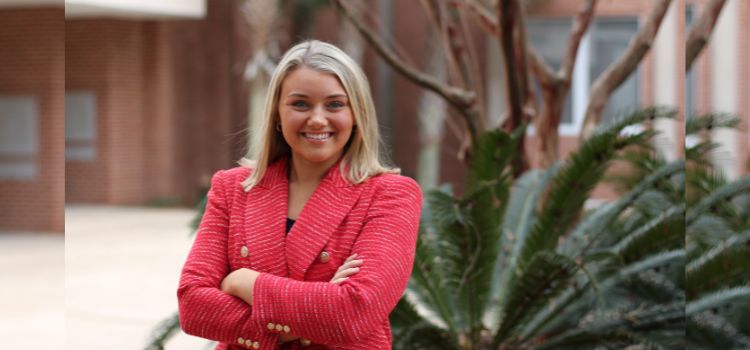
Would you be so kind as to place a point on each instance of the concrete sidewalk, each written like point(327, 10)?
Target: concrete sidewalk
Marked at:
point(32, 291)
point(122, 267)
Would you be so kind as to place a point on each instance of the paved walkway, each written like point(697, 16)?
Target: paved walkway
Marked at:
point(121, 267)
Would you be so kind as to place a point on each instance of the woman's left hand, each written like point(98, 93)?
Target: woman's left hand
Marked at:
point(240, 283)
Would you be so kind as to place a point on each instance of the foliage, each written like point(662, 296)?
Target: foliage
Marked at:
point(558, 281)
point(717, 246)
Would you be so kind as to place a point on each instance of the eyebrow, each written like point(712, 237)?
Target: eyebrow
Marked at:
point(297, 94)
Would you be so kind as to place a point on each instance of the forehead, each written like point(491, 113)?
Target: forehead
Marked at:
point(307, 81)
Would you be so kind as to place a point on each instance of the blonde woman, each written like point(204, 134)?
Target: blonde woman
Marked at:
point(312, 243)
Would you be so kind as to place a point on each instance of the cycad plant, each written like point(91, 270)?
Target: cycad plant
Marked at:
point(718, 246)
point(519, 265)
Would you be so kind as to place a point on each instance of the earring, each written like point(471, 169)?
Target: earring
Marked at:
point(278, 127)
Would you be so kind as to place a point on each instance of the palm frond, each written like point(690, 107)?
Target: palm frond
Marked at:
point(709, 331)
point(163, 332)
point(661, 233)
point(723, 194)
point(725, 265)
point(486, 199)
point(737, 297)
point(573, 183)
point(543, 279)
point(596, 224)
point(518, 221)
point(710, 121)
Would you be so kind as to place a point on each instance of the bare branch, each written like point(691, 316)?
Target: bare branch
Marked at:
point(487, 20)
point(580, 26)
point(460, 99)
point(542, 71)
point(457, 97)
point(506, 14)
point(473, 69)
point(623, 67)
point(436, 16)
point(700, 33)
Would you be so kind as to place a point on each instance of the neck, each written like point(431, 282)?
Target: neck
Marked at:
point(304, 172)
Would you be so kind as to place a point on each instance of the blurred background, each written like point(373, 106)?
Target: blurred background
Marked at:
point(114, 114)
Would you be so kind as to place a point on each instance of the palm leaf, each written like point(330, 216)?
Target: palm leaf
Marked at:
point(519, 218)
point(725, 265)
point(710, 121)
point(661, 233)
point(723, 194)
point(593, 226)
point(709, 331)
point(546, 276)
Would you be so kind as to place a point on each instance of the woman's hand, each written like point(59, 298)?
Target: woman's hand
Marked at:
point(348, 268)
point(240, 283)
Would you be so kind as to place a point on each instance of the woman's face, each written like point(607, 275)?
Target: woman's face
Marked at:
point(316, 119)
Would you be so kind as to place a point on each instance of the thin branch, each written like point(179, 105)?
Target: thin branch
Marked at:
point(542, 71)
point(522, 55)
point(438, 20)
point(473, 68)
point(700, 32)
point(459, 98)
point(580, 26)
point(506, 15)
point(623, 67)
point(487, 21)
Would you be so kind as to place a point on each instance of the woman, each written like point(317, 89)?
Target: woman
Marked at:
point(351, 223)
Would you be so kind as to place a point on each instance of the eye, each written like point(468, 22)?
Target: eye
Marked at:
point(299, 104)
point(336, 105)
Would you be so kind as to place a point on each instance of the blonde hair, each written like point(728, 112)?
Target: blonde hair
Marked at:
point(361, 156)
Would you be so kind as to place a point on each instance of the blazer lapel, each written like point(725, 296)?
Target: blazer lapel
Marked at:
point(320, 217)
point(265, 220)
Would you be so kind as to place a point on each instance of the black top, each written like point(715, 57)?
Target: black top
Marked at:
point(289, 224)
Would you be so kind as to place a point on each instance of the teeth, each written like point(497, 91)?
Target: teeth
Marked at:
point(322, 136)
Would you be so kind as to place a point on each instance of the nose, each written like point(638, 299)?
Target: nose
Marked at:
point(317, 118)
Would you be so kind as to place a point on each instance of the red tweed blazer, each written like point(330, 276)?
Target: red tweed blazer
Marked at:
point(377, 219)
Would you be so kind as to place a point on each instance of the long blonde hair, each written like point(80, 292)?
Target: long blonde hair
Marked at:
point(362, 155)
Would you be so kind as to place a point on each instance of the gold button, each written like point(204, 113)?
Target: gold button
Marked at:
point(287, 329)
point(256, 345)
point(240, 340)
point(279, 327)
point(304, 342)
point(324, 257)
point(243, 251)
point(271, 326)
point(248, 342)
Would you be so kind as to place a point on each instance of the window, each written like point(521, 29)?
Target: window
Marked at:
point(80, 126)
point(549, 38)
point(18, 137)
point(605, 41)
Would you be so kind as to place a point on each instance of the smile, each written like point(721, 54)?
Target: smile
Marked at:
point(318, 136)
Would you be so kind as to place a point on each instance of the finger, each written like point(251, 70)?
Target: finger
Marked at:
point(353, 263)
point(339, 280)
point(348, 272)
point(349, 265)
point(350, 258)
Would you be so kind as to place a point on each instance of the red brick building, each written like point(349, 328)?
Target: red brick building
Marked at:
point(32, 144)
point(141, 103)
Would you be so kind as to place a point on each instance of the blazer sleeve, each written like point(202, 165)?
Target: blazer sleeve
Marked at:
point(332, 314)
point(204, 310)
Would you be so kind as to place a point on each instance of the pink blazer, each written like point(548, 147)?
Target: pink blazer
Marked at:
point(377, 219)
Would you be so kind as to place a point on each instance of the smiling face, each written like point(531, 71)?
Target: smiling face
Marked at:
point(316, 118)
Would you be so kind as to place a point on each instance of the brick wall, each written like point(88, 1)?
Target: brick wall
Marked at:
point(32, 64)
point(167, 94)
